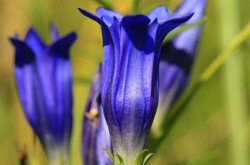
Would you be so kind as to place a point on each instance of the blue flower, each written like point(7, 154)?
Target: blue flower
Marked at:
point(95, 133)
point(132, 45)
point(177, 57)
point(43, 82)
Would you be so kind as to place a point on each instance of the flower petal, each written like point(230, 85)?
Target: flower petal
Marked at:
point(53, 32)
point(23, 53)
point(136, 27)
point(28, 85)
point(108, 15)
point(54, 71)
point(61, 47)
point(93, 17)
point(191, 35)
point(171, 24)
point(35, 43)
point(196, 6)
point(160, 13)
point(29, 93)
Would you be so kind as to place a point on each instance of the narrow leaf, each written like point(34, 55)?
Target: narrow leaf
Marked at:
point(111, 156)
point(147, 157)
point(139, 157)
point(121, 161)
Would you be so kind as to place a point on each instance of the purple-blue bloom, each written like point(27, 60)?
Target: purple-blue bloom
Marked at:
point(95, 133)
point(132, 45)
point(177, 57)
point(44, 86)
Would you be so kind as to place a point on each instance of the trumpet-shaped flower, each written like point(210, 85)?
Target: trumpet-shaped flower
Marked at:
point(43, 81)
point(130, 71)
point(177, 57)
point(95, 133)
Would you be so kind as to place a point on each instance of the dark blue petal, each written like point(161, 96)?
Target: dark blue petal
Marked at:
point(177, 56)
point(23, 53)
point(27, 84)
point(53, 32)
point(108, 15)
point(35, 43)
point(61, 46)
point(93, 17)
point(136, 27)
point(160, 13)
point(171, 24)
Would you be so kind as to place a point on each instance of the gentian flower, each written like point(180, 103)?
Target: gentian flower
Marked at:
point(43, 81)
point(95, 133)
point(177, 57)
point(132, 45)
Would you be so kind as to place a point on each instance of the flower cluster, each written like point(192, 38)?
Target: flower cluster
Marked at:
point(125, 89)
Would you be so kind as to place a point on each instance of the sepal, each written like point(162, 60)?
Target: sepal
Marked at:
point(143, 157)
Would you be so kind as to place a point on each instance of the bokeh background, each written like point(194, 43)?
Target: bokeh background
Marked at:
point(214, 126)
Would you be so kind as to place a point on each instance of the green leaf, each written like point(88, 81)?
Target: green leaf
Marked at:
point(139, 157)
point(111, 156)
point(147, 157)
point(177, 31)
point(121, 161)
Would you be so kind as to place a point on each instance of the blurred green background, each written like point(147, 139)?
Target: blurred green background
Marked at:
point(214, 125)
